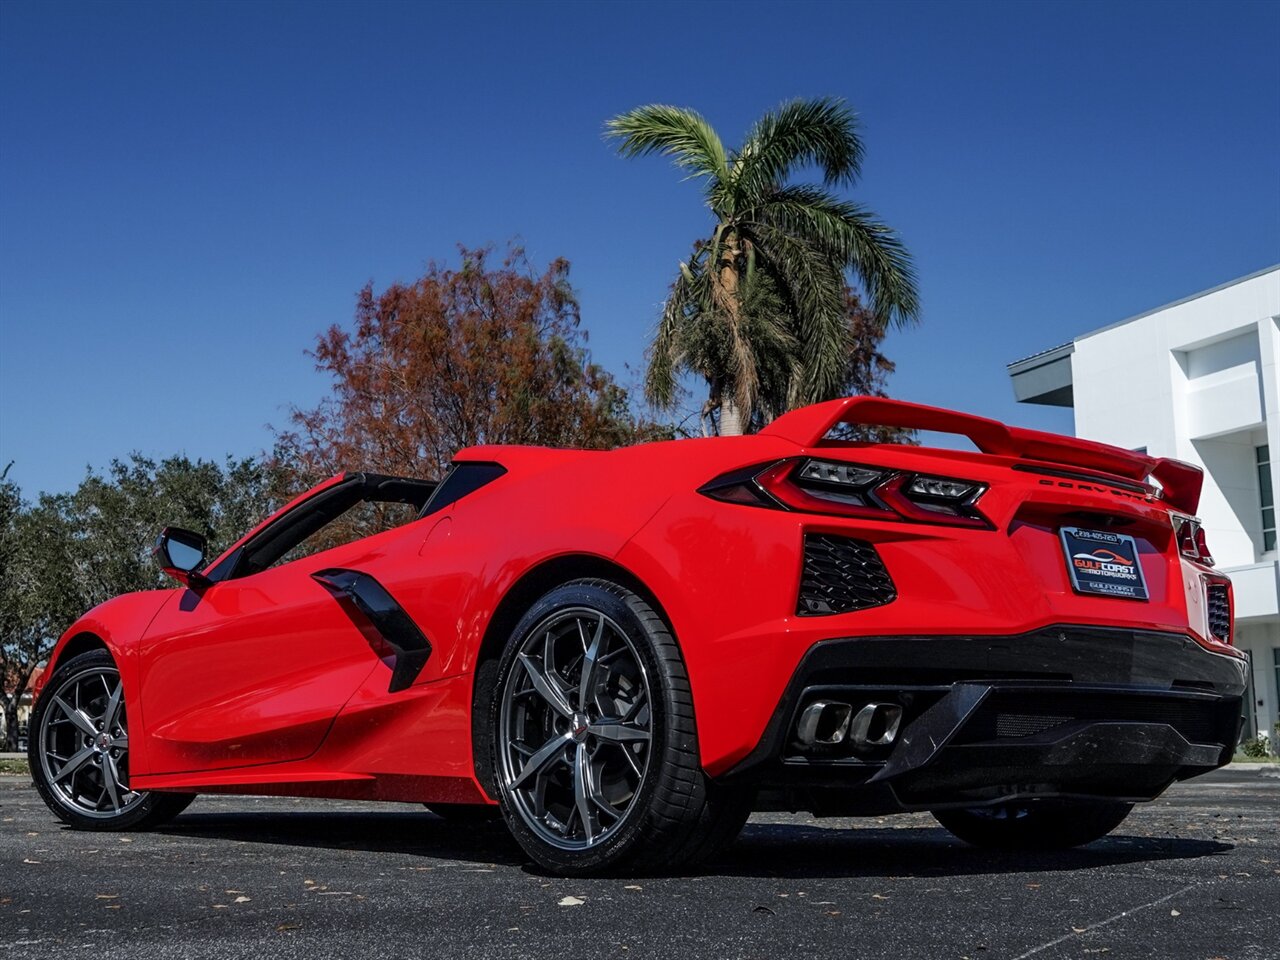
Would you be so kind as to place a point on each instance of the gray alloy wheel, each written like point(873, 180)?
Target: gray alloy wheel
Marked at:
point(574, 729)
point(79, 751)
point(84, 745)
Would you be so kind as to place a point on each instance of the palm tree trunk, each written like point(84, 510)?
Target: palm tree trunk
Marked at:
point(732, 423)
point(735, 411)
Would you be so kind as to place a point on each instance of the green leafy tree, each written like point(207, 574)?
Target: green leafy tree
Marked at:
point(761, 310)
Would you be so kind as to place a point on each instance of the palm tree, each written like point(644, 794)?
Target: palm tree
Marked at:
point(760, 308)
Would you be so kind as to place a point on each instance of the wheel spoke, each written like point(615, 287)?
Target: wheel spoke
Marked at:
point(590, 656)
point(632, 761)
point(111, 781)
point(74, 764)
point(111, 714)
point(636, 705)
point(615, 731)
point(546, 685)
point(582, 790)
point(77, 716)
point(546, 753)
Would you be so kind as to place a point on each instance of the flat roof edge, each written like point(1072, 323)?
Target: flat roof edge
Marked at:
point(1065, 349)
point(1274, 268)
point(1043, 357)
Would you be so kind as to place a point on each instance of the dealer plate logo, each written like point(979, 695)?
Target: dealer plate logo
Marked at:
point(1103, 563)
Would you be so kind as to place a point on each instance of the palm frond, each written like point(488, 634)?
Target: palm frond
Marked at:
point(676, 132)
point(815, 284)
point(857, 239)
point(823, 131)
point(669, 351)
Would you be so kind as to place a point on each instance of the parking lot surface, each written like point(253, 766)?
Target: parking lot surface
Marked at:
point(1195, 874)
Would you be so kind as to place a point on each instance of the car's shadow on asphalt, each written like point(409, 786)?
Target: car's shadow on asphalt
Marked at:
point(807, 851)
point(764, 849)
point(417, 834)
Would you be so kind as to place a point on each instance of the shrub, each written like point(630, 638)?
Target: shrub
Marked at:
point(1255, 748)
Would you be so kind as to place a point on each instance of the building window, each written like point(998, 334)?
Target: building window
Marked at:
point(1267, 498)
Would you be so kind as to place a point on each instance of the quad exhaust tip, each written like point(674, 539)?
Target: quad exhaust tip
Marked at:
point(829, 723)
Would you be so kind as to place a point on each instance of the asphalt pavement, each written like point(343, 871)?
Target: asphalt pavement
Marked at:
point(1194, 875)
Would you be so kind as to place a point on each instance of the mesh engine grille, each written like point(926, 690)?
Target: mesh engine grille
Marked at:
point(1219, 612)
point(841, 574)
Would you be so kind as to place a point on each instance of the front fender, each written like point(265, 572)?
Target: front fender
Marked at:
point(118, 623)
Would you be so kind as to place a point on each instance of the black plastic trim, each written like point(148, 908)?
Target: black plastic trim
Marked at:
point(409, 647)
point(967, 667)
point(463, 479)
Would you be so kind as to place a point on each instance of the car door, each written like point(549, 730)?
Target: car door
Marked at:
point(253, 669)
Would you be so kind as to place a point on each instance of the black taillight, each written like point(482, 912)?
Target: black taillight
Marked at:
point(740, 486)
point(935, 500)
point(812, 485)
point(1189, 535)
point(823, 486)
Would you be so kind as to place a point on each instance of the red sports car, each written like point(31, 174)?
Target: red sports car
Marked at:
point(627, 652)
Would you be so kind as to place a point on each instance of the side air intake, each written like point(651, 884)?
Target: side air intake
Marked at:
point(840, 575)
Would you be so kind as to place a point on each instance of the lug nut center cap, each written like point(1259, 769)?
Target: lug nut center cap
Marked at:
point(578, 727)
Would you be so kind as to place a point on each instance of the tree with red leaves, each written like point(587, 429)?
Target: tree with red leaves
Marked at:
point(481, 354)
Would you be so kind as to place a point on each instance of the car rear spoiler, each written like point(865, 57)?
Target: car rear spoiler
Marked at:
point(1179, 482)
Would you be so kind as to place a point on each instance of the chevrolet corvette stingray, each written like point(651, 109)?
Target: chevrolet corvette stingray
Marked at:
point(624, 653)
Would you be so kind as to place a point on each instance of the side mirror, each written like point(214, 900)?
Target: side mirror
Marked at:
point(179, 552)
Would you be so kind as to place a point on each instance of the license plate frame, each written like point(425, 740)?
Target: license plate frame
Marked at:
point(1101, 563)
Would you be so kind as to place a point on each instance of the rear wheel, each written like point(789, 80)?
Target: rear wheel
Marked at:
point(79, 751)
point(595, 747)
point(1035, 824)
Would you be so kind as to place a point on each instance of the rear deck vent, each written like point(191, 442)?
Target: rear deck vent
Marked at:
point(1219, 612)
point(841, 574)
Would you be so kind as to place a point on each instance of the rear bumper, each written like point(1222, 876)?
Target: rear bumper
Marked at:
point(1065, 712)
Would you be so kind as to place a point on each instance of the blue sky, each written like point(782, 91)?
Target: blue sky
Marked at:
point(189, 193)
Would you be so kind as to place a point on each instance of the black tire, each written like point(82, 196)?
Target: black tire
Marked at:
point(675, 814)
point(465, 812)
point(1035, 824)
point(142, 811)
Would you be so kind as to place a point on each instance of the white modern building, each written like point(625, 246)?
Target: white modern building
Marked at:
point(1198, 380)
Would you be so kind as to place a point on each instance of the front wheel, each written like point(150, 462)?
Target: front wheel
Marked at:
point(1035, 824)
point(79, 751)
point(595, 747)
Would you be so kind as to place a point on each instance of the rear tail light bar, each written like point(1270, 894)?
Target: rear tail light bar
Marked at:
point(812, 485)
point(1191, 540)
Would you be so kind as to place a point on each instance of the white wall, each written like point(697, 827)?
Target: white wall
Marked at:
point(1196, 381)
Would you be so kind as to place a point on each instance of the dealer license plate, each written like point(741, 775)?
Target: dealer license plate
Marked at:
point(1103, 563)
